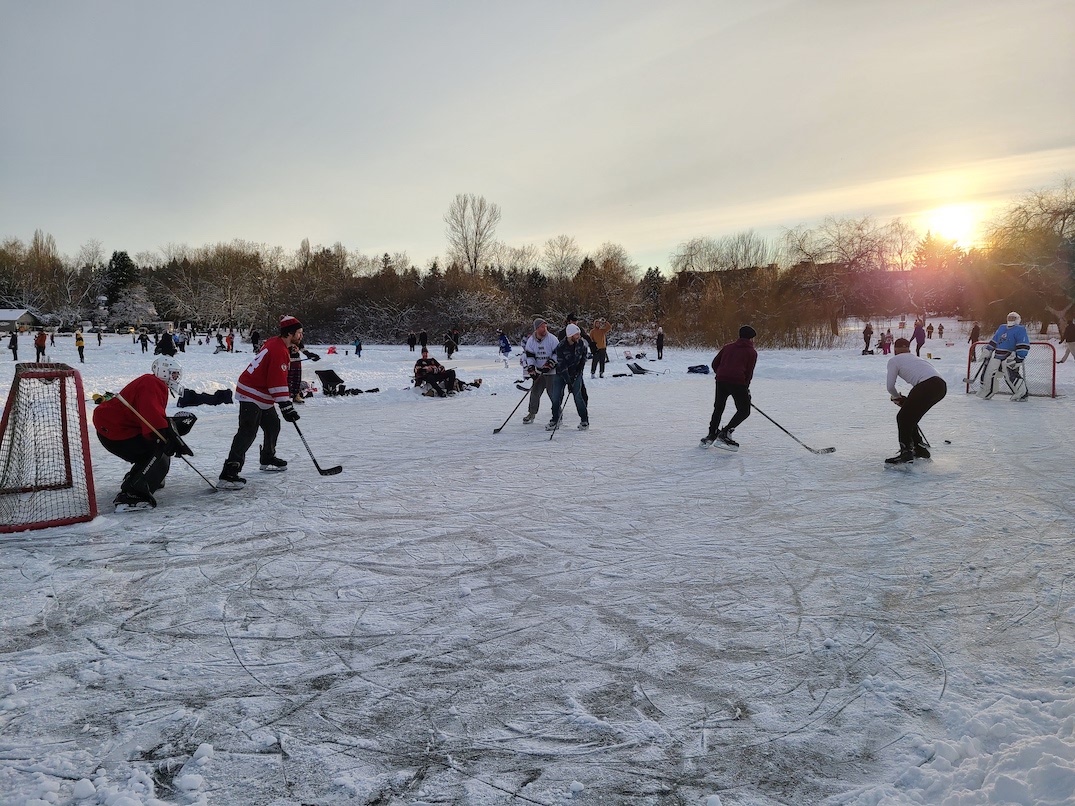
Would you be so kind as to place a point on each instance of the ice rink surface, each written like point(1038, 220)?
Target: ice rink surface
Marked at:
point(609, 617)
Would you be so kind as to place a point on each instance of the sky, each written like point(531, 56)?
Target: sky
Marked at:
point(147, 124)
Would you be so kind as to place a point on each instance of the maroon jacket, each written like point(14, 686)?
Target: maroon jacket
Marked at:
point(735, 362)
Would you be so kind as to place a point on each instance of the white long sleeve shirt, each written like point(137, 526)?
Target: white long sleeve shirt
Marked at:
point(911, 368)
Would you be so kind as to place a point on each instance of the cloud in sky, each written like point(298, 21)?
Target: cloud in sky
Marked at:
point(644, 124)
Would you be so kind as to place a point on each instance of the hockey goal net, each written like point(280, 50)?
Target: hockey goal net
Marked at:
point(1039, 368)
point(45, 474)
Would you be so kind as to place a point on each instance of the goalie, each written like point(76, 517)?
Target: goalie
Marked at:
point(1003, 363)
point(133, 426)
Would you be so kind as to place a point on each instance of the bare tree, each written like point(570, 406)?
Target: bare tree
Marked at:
point(562, 257)
point(470, 225)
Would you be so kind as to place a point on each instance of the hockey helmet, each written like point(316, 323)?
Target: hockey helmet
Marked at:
point(1014, 318)
point(170, 371)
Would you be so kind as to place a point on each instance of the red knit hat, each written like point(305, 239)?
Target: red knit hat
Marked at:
point(289, 324)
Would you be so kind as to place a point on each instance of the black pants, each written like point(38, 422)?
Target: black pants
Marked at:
point(740, 394)
point(600, 356)
point(435, 379)
point(40, 353)
point(922, 398)
point(149, 462)
point(660, 351)
point(82, 355)
point(251, 418)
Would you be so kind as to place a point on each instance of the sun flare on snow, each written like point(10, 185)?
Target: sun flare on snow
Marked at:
point(954, 222)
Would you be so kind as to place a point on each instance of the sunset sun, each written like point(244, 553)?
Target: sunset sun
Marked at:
point(954, 222)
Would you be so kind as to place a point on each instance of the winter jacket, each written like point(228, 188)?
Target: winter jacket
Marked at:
point(540, 353)
point(148, 394)
point(735, 362)
point(264, 381)
point(919, 334)
point(571, 358)
point(599, 335)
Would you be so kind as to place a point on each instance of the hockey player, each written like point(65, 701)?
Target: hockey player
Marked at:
point(734, 369)
point(263, 385)
point(571, 356)
point(122, 431)
point(505, 347)
point(927, 390)
point(1005, 354)
point(539, 363)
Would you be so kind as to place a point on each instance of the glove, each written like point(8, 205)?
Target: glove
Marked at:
point(174, 444)
point(548, 365)
point(1018, 359)
point(182, 421)
point(311, 356)
point(532, 371)
point(287, 411)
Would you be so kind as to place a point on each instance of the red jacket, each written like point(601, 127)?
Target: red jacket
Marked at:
point(265, 381)
point(735, 362)
point(149, 396)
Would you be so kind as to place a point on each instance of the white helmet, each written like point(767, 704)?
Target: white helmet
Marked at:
point(1014, 318)
point(170, 371)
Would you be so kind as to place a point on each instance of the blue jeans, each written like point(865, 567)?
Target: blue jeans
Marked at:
point(559, 386)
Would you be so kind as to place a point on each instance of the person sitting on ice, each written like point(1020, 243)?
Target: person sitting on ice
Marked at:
point(1004, 358)
point(125, 425)
point(431, 372)
point(927, 390)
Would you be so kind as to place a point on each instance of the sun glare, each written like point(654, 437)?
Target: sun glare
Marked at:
point(954, 222)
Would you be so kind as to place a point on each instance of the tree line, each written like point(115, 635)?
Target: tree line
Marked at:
point(796, 289)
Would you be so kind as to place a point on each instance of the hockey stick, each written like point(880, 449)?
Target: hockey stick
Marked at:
point(526, 392)
point(981, 370)
point(778, 425)
point(160, 436)
point(328, 471)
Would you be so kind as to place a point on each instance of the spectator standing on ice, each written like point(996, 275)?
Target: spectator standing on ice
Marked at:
point(262, 387)
point(230, 339)
point(919, 336)
point(99, 339)
point(255, 342)
point(423, 338)
point(940, 331)
point(39, 346)
point(52, 338)
point(599, 337)
point(80, 345)
point(124, 434)
point(411, 340)
point(143, 337)
point(929, 331)
point(571, 354)
point(13, 345)
point(1068, 340)
point(358, 347)
point(733, 368)
point(927, 390)
point(975, 336)
point(1005, 354)
point(660, 343)
point(886, 342)
point(181, 340)
point(539, 363)
point(867, 336)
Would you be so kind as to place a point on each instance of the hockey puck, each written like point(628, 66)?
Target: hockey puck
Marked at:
point(948, 442)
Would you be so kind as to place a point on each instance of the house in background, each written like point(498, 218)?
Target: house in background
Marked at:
point(18, 319)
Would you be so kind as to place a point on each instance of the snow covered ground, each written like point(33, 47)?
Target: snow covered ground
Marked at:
point(610, 617)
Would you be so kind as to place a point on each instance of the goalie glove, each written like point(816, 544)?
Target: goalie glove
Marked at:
point(287, 411)
point(182, 421)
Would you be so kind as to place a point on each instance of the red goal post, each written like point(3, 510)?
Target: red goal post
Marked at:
point(1039, 368)
point(45, 473)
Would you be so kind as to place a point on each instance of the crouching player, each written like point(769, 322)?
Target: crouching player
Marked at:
point(1005, 354)
point(133, 426)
